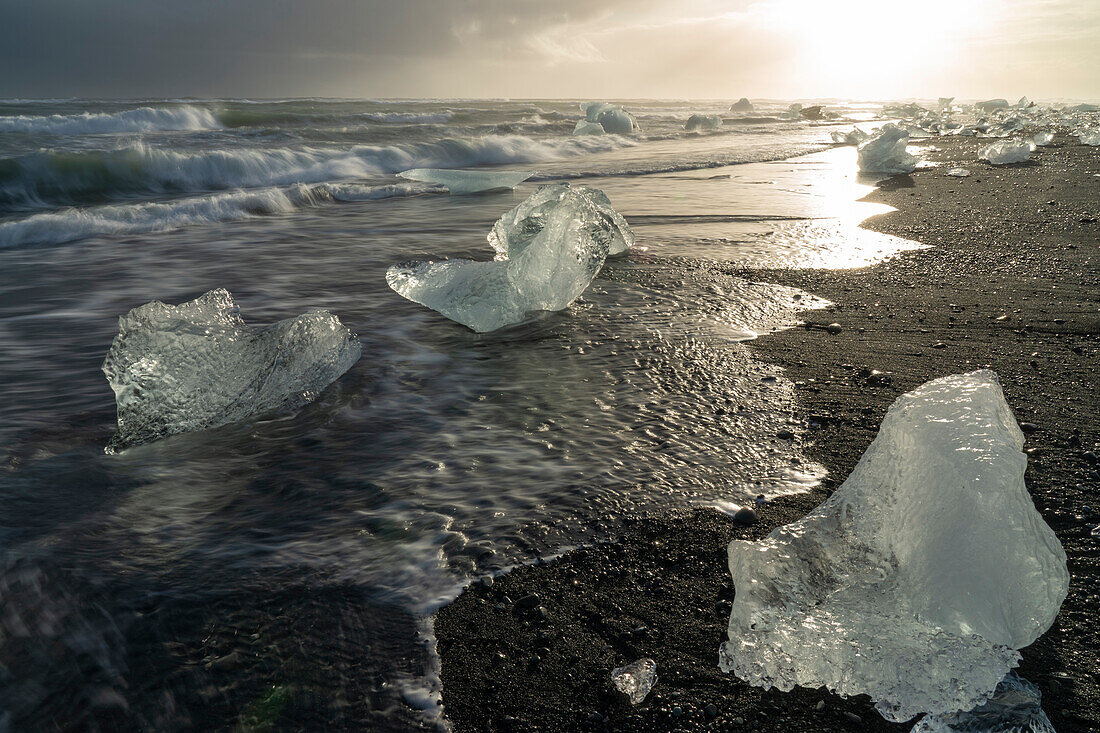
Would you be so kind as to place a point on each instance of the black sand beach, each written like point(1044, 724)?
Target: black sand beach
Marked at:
point(1012, 283)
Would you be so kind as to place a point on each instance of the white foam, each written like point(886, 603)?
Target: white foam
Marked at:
point(142, 119)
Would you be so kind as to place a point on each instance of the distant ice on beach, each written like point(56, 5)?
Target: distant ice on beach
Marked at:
point(1008, 152)
point(614, 120)
point(855, 137)
point(884, 152)
point(1089, 136)
point(196, 366)
point(1043, 139)
point(549, 248)
point(918, 580)
point(703, 122)
point(460, 182)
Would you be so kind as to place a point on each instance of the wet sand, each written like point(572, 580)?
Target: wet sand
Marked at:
point(1012, 283)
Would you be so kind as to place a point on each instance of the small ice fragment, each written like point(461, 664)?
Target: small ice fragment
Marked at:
point(584, 127)
point(958, 172)
point(855, 137)
point(1043, 139)
point(1089, 136)
point(549, 248)
point(815, 112)
point(742, 105)
point(943, 103)
point(1024, 103)
point(614, 120)
point(991, 104)
point(196, 366)
point(635, 680)
point(703, 122)
point(1008, 152)
point(1014, 708)
point(918, 580)
point(884, 152)
point(460, 182)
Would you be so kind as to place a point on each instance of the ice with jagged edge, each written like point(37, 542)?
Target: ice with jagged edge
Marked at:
point(635, 680)
point(1008, 152)
point(549, 249)
point(197, 365)
point(884, 152)
point(855, 137)
point(1089, 136)
point(460, 182)
point(918, 580)
point(614, 120)
point(703, 122)
point(1014, 708)
point(514, 231)
point(1042, 139)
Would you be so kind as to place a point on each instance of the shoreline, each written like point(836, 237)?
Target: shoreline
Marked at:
point(1012, 282)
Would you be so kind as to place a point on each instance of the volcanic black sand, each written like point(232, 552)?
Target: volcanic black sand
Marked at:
point(1012, 283)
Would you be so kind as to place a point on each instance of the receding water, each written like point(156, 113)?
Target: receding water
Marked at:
point(282, 567)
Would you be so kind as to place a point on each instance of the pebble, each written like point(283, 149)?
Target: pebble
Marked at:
point(939, 345)
point(528, 601)
point(711, 710)
point(834, 328)
point(785, 435)
point(1028, 427)
point(745, 515)
point(853, 718)
point(677, 711)
point(1089, 456)
point(820, 706)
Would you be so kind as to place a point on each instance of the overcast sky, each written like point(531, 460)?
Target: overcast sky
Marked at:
point(870, 49)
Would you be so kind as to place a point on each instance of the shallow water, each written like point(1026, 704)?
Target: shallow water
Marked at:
point(305, 548)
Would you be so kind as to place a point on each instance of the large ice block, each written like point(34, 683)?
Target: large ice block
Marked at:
point(1089, 136)
point(194, 366)
point(918, 580)
point(742, 105)
point(461, 182)
point(703, 122)
point(884, 152)
point(512, 232)
point(1007, 152)
point(614, 120)
point(549, 249)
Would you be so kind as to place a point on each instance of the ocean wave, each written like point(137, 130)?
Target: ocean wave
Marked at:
point(142, 119)
point(410, 118)
point(78, 223)
point(51, 177)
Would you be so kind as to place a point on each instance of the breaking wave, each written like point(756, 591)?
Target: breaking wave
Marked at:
point(410, 118)
point(142, 119)
point(77, 223)
point(53, 177)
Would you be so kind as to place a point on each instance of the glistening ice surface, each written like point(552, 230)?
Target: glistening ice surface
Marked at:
point(175, 369)
point(1015, 707)
point(555, 244)
point(884, 152)
point(464, 182)
point(918, 580)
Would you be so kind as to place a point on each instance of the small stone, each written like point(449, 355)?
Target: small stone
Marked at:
point(711, 710)
point(939, 345)
point(1089, 456)
point(487, 581)
point(528, 602)
point(785, 435)
point(852, 717)
point(820, 706)
point(834, 328)
point(745, 515)
point(677, 711)
point(1028, 427)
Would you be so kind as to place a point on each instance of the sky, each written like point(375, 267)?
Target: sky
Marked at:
point(615, 49)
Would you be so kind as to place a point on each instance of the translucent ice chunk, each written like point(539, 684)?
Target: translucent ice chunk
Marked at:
point(991, 104)
point(918, 580)
point(815, 112)
point(855, 137)
point(1014, 708)
point(1043, 139)
point(793, 111)
point(1089, 136)
point(958, 172)
point(512, 232)
point(1024, 103)
point(584, 127)
point(1007, 152)
point(703, 122)
point(553, 250)
point(944, 102)
point(742, 105)
point(197, 365)
point(614, 120)
point(461, 182)
point(884, 152)
point(635, 680)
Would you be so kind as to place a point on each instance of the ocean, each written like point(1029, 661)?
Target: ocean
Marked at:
point(289, 565)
